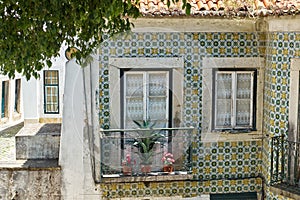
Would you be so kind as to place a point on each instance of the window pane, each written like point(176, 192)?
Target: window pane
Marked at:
point(134, 85)
point(134, 111)
point(243, 110)
point(223, 95)
point(244, 85)
point(224, 85)
point(157, 84)
point(158, 90)
point(244, 96)
point(223, 113)
point(157, 111)
point(51, 98)
point(51, 77)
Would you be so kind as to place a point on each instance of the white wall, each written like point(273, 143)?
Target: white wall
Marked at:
point(79, 128)
point(59, 64)
point(33, 92)
point(30, 99)
point(12, 116)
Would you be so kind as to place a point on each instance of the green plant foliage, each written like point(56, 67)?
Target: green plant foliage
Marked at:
point(33, 31)
point(146, 140)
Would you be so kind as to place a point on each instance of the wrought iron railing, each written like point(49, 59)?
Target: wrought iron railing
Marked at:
point(285, 161)
point(120, 148)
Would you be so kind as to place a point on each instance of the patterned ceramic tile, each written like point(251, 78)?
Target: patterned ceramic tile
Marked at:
point(214, 163)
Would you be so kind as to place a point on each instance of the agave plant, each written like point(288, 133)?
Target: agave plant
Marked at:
point(146, 140)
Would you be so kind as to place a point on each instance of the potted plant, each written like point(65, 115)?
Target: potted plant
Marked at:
point(145, 143)
point(168, 160)
point(127, 165)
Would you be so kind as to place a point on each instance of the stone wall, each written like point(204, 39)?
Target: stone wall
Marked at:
point(38, 141)
point(30, 181)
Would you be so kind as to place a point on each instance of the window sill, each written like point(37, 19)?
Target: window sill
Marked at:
point(226, 136)
point(116, 178)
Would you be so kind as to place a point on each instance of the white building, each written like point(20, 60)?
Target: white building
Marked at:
point(11, 100)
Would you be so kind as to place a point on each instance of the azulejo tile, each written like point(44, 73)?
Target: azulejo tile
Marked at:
point(222, 159)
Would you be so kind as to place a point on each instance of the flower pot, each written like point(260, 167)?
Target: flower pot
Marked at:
point(168, 168)
point(127, 170)
point(145, 168)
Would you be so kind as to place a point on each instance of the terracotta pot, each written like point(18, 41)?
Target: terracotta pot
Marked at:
point(168, 168)
point(127, 170)
point(145, 168)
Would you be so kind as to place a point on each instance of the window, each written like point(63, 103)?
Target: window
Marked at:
point(146, 96)
point(153, 68)
point(145, 89)
point(4, 103)
point(17, 95)
point(243, 106)
point(234, 99)
point(51, 89)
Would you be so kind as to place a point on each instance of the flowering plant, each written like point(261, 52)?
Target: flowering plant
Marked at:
point(168, 159)
point(127, 161)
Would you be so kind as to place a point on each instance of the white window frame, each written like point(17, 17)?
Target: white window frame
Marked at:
point(233, 101)
point(115, 66)
point(145, 95)
point(209, 65)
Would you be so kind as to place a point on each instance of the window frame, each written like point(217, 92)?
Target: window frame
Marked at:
point(51, 85)
point(169, 94)
point(234, 99)
point(208, 134)
point(175, 64)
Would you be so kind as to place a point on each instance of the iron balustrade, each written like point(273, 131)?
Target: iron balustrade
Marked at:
point(119, 144)
point(285, 161)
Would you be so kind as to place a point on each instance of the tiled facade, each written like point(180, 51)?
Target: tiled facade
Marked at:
point(192, 46)
point(218, 167)
point(281, 48)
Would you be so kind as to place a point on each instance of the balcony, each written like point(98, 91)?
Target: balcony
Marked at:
point(285, 166)
point(144, 154)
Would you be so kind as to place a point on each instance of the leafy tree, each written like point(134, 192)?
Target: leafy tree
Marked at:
point(33, 31)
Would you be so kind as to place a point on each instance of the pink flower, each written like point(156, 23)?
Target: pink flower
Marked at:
point(128, 158)
point(168, 159)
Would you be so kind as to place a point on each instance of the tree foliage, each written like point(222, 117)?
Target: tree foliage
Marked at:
point(33, 31)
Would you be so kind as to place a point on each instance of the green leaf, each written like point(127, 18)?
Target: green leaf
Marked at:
point(188, 9)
